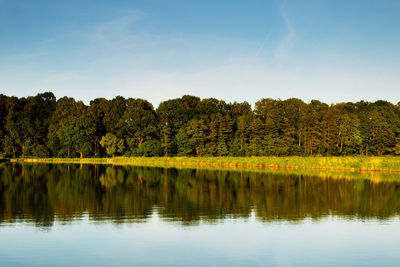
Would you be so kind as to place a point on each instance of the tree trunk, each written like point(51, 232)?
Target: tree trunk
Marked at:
point(305, 144)
point(140, 141)
point(299, 135)
point(166, 145)
point(329, 140)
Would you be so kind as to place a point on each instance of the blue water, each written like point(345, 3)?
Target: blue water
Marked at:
point(330, 241)
point(54, 217)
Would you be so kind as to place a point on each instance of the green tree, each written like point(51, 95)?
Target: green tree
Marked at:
point(77, 134)
point(66, 109)
point(179, 111)
point(15, 126)
point(397, 147)
point(112, 144)
point(242, 131)
point(151, 147)
point(166, 137)
point(382, 138)
point(224, 131)
point(212, 136)
point(139, 121)
point(256, 133)
point(197, 135)
point(182, 142)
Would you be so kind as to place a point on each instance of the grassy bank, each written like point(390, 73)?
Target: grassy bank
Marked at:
point(357, 163)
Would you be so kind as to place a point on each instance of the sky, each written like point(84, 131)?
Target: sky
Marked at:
point(330, 50)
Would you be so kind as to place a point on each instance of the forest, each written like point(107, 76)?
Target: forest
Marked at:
point(43, 126)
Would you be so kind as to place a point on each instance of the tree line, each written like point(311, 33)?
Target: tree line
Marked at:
point(42, 126)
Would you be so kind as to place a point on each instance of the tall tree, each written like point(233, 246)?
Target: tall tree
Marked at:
point(112, 144)
point(381, 136)
point(256, 133)
point(77, 134)
point(197, 135)
point(66, 109)
point(224, 131)
point(138, 122)
point(166, 137)
point(182, 142)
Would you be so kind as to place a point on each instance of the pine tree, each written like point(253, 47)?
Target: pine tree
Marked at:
point(182, 142)
point(256, 133)
point(197, 135)
point(212, 137)
point(223, 131)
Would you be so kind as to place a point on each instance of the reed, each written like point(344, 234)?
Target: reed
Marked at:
point(354, 163)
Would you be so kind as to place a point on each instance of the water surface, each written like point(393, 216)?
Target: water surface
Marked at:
point(114, 215)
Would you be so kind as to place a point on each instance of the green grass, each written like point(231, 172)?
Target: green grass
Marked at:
point(356, 163)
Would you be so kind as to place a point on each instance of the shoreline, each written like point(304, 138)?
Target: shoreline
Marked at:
point(387, 164)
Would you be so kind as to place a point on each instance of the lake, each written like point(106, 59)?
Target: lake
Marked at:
point(102, 215)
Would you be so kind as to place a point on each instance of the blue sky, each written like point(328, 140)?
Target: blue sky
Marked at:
point(234, 50)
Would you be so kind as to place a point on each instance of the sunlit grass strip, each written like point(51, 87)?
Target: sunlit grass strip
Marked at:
point(371, 176)
point(357, 163)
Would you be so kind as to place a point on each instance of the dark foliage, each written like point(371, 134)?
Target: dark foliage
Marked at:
point(41, 126)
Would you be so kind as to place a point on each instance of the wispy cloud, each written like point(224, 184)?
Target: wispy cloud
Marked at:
point(120, 56)
point(285, 46)
point(116, 27)
point(262, 45)
point(100, 33)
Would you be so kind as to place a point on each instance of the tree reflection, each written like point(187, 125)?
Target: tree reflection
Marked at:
point(42, 193)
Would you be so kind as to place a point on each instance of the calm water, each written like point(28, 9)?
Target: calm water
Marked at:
point(107, 216)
